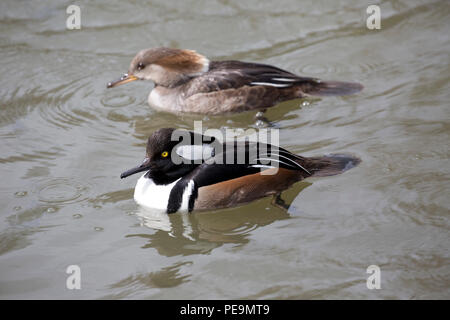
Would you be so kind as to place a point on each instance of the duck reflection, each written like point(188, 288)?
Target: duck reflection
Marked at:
point(284, 111)
point(201, 232)
point(167, 277)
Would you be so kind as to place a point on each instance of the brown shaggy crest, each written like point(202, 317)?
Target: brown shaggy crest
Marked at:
point(184, 61)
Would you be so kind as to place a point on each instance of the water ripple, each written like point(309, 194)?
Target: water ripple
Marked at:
point(61, 191)
point(117, 99)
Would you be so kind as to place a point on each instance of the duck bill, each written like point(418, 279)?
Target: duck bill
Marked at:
point(145, 166)
point(123, 79)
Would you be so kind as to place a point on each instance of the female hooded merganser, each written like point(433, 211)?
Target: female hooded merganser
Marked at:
point(186, 81)
point(183, 176)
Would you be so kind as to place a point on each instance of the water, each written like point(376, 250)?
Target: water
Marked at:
point(65, 139)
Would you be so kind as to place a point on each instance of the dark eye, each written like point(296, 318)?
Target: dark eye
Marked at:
point(140, 66)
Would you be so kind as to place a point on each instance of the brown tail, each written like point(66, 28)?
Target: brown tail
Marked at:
point(333, 88)
point(330, 165)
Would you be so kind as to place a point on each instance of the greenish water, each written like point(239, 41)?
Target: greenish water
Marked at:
point(65, 139)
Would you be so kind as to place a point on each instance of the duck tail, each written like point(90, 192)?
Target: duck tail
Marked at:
point(331, 165)
point(333, 88)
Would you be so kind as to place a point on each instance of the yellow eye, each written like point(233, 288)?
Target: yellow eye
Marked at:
point(164, 154)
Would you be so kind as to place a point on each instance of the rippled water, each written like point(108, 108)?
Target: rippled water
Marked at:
point(66, 138)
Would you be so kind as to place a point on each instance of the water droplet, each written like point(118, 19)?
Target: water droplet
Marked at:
point(98, 229)
point(260, 123)
point(51, 210)
point(20, 194)
point(305, 104)
point(17, 208)
point(77, 216)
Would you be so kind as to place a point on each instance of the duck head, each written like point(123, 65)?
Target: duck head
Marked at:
point(164, 66)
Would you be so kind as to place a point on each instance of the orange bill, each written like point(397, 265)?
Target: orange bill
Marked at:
point(123, 79)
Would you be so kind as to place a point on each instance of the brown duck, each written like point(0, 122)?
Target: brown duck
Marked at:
point(186, 81)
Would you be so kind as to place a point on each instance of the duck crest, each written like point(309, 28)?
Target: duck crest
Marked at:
point(185, 61)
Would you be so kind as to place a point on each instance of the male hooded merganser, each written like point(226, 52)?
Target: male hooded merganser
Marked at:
point(186, 81)
point(183, 176)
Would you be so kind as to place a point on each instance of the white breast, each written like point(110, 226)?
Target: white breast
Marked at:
point(155, 100)
point(164, 99)
point(150, 195)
